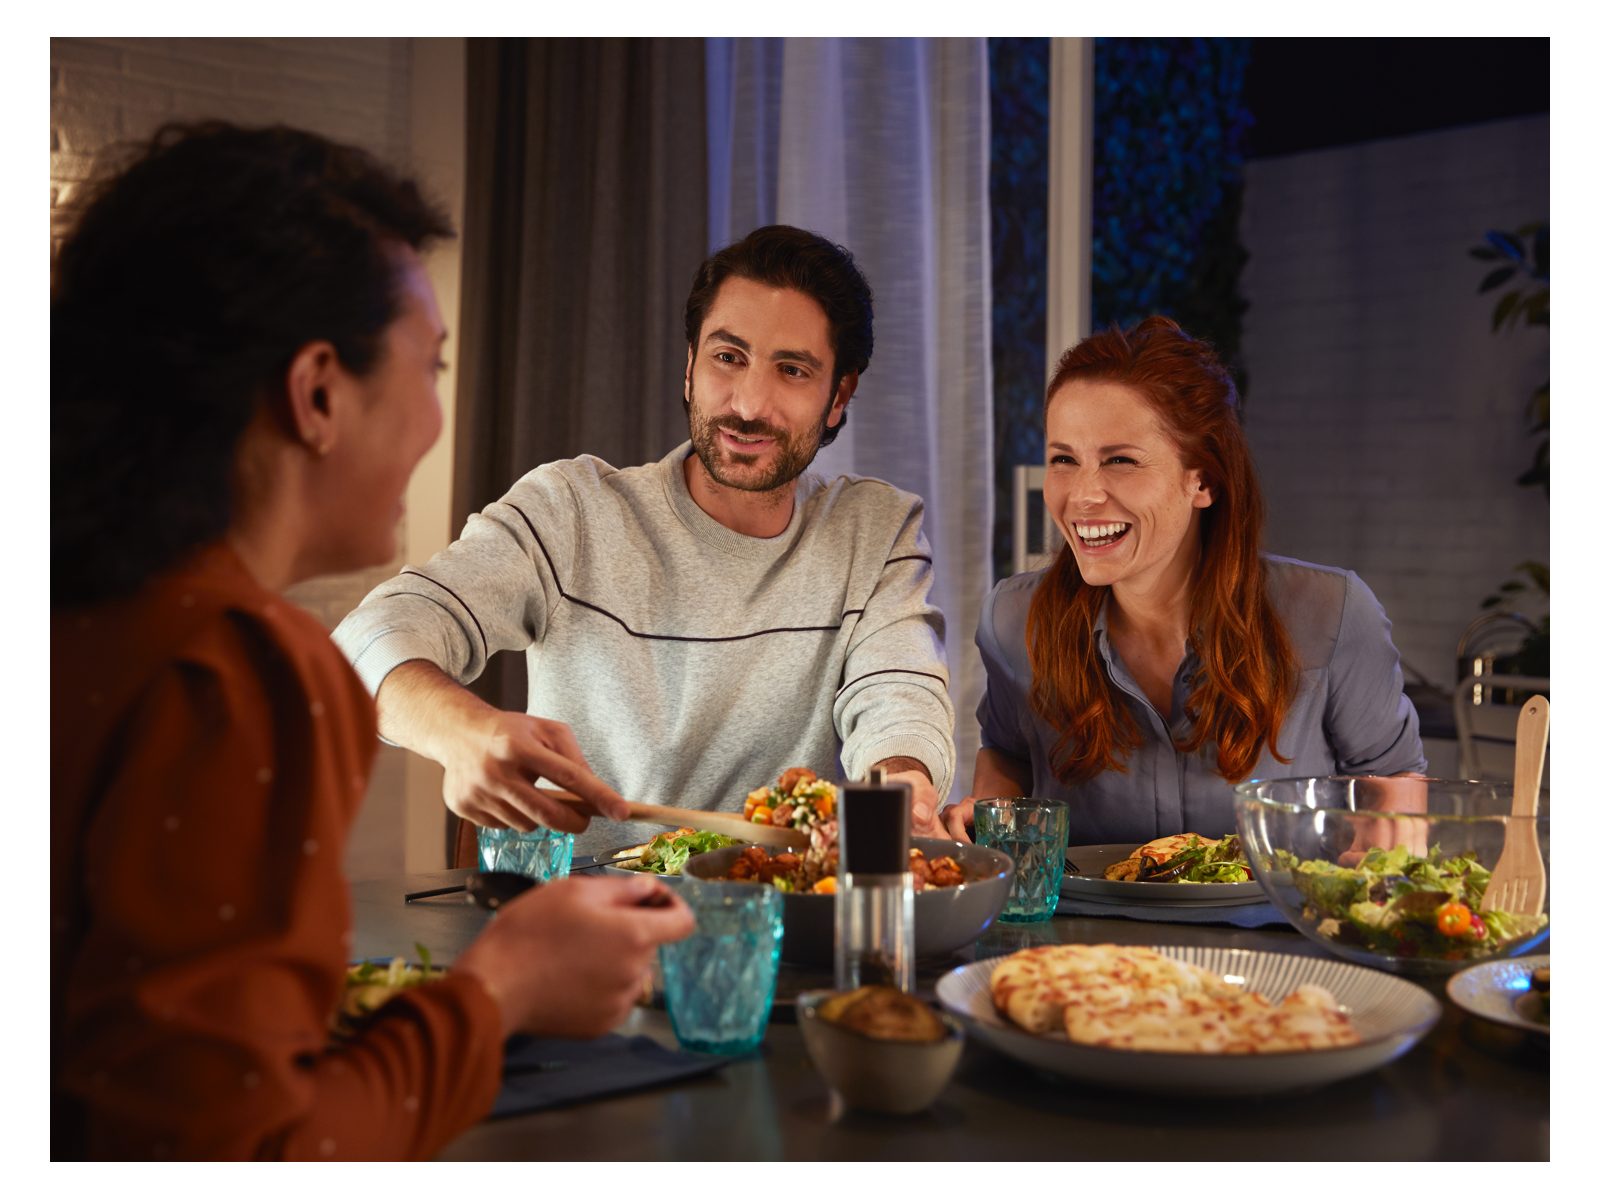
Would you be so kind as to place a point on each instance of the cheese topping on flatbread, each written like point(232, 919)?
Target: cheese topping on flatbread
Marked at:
point(1133, 998)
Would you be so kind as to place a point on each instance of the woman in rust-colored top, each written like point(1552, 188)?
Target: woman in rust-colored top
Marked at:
point(244, 348)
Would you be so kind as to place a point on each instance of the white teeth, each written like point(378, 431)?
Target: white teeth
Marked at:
point(1092, 532)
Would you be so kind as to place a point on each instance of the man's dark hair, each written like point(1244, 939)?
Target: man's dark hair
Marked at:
point(188, 284)
point(785, 257)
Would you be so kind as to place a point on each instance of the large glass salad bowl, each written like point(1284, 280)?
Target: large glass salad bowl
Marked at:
point(1390, 872)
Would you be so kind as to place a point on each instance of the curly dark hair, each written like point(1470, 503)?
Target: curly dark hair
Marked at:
point(191, 279)
point(786, 257)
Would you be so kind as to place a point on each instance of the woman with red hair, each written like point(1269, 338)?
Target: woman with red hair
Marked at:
point(1163, 657)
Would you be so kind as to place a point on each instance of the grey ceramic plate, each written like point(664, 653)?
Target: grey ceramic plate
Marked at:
point(1389, 1014)
point(1491, 990)
point(946, 918)
point(1088, 884)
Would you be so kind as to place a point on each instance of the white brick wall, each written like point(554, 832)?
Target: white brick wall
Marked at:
point(1384, 415)
point(105, 91)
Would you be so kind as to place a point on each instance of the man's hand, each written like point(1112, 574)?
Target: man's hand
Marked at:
point(924, 800)
point(489, 777)
point(570, 958)
point(491, 758)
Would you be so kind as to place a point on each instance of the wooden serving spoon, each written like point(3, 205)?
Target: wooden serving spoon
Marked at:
point(714, 822)
point(1518, 882)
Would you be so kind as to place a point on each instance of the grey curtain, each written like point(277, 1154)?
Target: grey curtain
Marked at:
point(585, 220)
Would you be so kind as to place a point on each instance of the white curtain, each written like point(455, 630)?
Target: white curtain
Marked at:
point(882, 145)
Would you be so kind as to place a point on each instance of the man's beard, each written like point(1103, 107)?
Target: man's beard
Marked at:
point(792, 458)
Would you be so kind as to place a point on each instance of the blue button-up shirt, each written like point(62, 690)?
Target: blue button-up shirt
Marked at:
point(1349, 715)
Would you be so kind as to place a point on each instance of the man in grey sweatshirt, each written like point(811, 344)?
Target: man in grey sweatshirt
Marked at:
point(696, 625)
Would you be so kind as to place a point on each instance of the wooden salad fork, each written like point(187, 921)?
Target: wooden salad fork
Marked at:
point(1518, 882)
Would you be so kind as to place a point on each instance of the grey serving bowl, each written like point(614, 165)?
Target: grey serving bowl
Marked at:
point(946, 918)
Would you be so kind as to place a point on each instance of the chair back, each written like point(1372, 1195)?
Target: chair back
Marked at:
point(1486, 708)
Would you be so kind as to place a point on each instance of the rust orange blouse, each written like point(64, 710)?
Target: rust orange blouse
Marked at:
point(209, 747)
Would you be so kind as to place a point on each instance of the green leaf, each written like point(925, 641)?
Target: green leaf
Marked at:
point(1507, 305)
point(1538, 475)
point(1537, 414)
point(1507, 242)
point(1486, 254)
point(1538, 572)
point(1513, 585)
point(1495, 278)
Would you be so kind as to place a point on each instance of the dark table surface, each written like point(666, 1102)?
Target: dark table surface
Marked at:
point(1470, 1090)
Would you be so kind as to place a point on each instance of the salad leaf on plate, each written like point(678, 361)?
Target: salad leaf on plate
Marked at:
point(667, 852)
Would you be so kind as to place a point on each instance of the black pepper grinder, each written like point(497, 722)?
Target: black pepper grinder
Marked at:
point(874, 937)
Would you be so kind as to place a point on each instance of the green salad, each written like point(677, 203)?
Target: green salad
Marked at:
point(1413, 906)
point(1196, 863)
point(368, 986)
point(667, 852)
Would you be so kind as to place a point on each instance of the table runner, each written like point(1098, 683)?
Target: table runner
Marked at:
point(1243, 916)
point(545, 1073)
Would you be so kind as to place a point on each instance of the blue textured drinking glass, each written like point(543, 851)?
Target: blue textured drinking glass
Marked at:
point(719, 980)
point(541, 854)
point(1034, 834)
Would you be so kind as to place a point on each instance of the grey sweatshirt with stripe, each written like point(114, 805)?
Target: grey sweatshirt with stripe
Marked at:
point(693, 663)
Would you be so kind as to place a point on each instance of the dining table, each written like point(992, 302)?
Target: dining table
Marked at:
point(1470, 1089)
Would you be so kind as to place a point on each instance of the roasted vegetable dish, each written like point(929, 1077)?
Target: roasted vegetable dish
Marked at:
point(799, 801)
point(811, 872)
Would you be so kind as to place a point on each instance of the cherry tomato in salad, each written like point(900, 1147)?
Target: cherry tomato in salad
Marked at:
point(1455, 919)
point(1479, 929)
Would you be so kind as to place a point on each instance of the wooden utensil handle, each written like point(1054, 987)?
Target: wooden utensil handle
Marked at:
point(1533, 735)
point(714, 822)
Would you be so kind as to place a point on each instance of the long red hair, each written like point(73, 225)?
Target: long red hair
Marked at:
point(1247, 673)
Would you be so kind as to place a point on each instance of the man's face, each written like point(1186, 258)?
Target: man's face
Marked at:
point(758, 386)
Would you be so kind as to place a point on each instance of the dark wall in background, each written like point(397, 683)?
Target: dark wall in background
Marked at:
point(1313, 93)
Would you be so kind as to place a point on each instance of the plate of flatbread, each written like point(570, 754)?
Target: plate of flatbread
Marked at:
point(1089, 882)
point(1216, 1020)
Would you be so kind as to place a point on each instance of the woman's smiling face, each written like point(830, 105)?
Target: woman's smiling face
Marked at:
point(1118, 491)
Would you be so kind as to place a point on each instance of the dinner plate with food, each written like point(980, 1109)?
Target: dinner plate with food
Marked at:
point(664, 854)
point(1210, 1019)
point(1183, 869)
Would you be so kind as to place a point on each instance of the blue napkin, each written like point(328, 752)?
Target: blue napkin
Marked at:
point(1245, 916)
point(544, 1073)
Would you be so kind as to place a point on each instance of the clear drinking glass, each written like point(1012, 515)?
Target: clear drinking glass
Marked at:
point(1034, 834)
point(541, 854)
point(719, 981)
